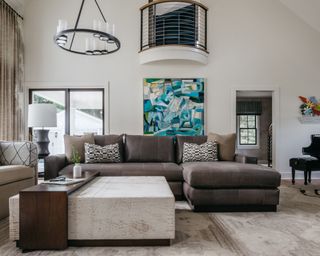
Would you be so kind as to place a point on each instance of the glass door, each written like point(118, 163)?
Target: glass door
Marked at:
point(58, 98)
point(86, 112)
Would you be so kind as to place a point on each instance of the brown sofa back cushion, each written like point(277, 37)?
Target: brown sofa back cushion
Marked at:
point(104, 140)
point(149, 148)
point(76, 142)
point(189, 139)
point(226, 145)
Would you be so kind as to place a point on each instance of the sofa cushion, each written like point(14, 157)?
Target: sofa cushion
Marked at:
point(104, 140)
point(76, 143)
point(189, 139)
point(227, 145)
point(149, 148)
point(13, 173)
point(230, 197)
point(171, 171)
point(229, 175)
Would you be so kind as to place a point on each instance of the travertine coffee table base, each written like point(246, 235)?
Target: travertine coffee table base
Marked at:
point(116, 211)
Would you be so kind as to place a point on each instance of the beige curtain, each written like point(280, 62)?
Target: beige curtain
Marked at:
point(11, 75)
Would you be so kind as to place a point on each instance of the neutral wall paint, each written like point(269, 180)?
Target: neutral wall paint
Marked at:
point(252, 43)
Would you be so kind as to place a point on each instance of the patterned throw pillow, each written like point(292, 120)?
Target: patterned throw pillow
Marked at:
point(206, 152)
point(97, 154)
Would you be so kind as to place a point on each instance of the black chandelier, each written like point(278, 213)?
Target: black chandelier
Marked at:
point(97, 42)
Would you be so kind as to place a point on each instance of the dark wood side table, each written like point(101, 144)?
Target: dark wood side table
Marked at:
point(44, 215)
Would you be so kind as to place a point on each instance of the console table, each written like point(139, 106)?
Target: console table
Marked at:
point(43, 221)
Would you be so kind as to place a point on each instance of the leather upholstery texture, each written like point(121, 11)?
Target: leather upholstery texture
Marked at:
point(223, 174)
point(149, 149)
point(171, 171)
point(226, 197)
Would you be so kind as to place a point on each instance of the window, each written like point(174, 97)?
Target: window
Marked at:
point(79, 111)
point(247, 130)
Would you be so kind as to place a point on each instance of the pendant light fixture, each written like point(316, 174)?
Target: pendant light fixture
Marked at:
point(96, 41)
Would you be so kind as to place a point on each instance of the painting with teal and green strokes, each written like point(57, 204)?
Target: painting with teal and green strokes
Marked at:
point(173, 106)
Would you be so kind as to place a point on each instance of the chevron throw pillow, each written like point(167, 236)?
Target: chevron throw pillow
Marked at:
point(106, 154)
point(206, 152)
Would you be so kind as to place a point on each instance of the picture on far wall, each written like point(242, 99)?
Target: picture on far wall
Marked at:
point(173, 106)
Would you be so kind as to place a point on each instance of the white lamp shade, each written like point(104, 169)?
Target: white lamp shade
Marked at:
point(42, 115)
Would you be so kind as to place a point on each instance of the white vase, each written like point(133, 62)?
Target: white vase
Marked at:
point(77, 171)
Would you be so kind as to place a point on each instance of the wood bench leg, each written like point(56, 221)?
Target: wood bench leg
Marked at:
point(293, 171)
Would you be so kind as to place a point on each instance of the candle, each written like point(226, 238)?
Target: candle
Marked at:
point(87, 44)
point(107, 28)
point(113, 30)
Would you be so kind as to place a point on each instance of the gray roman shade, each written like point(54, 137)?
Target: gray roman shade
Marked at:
point(249, 108)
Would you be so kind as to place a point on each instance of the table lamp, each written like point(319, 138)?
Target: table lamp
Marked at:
point(42, 116)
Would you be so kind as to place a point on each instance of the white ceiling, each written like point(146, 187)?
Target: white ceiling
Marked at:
point(307, 10)
point(17, 5)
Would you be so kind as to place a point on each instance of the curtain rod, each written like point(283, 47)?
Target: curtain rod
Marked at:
point(15, 12)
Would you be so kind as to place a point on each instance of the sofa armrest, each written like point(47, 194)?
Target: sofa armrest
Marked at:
point(246, 159)
point(53, 165)
point(19, 153)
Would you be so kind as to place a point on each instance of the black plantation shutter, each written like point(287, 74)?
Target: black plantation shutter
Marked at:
point(249, 108)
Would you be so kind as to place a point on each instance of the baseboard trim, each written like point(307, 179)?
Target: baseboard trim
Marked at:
point(118, 242)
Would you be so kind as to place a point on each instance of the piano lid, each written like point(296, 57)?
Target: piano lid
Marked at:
point(314, 148)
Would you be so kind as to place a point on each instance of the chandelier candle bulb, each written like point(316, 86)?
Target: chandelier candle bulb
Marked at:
point(114, 30)
point(107, 28)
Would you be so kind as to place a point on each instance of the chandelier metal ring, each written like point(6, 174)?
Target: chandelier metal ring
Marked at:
point(109, 38)
point(61, 37)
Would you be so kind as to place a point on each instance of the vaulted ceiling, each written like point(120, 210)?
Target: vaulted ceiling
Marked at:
point(307, 10)
point(17, 5)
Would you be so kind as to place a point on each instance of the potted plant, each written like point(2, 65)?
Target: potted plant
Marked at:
point(77, 170)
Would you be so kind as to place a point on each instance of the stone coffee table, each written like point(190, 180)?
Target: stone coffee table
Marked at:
point(116, 211)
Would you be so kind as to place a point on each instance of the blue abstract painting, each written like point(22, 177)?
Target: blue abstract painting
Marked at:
point(173, 106)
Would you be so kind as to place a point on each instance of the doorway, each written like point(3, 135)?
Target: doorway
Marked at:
point(254, 120)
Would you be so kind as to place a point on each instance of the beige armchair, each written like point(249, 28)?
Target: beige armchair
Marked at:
point(18, 170)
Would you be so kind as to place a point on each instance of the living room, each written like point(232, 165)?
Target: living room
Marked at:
point(150, 112)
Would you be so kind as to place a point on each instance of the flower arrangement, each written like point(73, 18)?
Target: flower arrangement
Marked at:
point(310, 106)
point(75, 156)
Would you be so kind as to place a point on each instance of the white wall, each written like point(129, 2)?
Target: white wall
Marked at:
point(252, 43)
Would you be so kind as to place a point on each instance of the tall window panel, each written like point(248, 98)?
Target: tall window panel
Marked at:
point(79, 111)
point(86, 112)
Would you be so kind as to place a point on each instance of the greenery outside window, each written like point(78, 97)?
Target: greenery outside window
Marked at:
point(248, 134)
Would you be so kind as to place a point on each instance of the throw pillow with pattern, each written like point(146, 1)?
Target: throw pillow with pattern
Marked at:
point(98, 154)
point(206, 152)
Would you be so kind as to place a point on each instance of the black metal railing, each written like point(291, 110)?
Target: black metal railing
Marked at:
point(179, 22)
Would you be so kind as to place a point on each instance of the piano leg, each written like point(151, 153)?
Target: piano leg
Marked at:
point(309, 177)
point(293, 171)
point(305, 177)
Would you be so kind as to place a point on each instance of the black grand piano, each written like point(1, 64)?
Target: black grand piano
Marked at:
point(309, 163)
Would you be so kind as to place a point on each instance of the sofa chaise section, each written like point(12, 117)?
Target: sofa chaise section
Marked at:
point(220, 186)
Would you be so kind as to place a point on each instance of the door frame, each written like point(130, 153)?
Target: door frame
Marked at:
point(275, 114)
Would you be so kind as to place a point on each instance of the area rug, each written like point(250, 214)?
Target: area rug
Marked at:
point(294, 230)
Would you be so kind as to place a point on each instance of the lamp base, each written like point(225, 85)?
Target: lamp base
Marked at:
point(42, 141)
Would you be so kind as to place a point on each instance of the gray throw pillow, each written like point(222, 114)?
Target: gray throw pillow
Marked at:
point(98, 154)
point(76, 143)
point(227, 145)
point(206, 152)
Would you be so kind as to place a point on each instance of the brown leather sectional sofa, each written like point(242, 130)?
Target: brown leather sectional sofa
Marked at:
point(208, 186)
